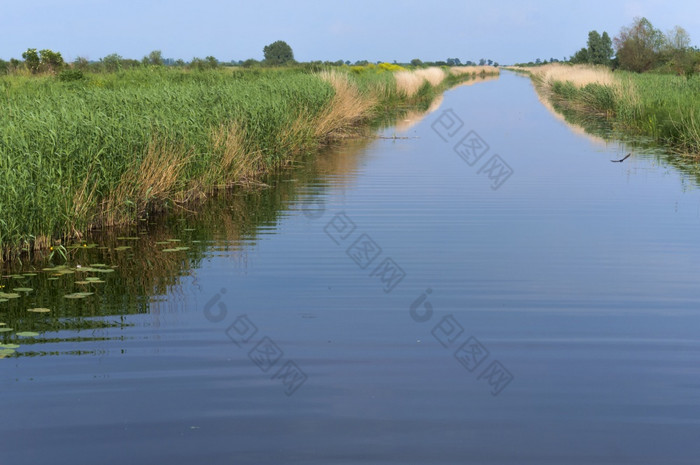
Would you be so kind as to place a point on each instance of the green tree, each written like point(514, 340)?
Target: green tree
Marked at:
point(154, 58)
point(250, 63)
point(51, 61)
point(32, 60)
point(677, 52)
point(278, 53)
point(212, 62)
point(81, 63)
point(599, 50)
point(112, 63)
point(416, 62)
point(638, 46)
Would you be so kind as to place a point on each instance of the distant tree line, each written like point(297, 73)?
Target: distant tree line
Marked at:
point(278, 53)
point(639, 47)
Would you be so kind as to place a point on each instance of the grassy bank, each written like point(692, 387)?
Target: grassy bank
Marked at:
point(109, 148)
point(663, 107)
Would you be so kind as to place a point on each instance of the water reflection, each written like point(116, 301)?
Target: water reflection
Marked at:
point(602, 134)
point(411, 118)
point(139, 270)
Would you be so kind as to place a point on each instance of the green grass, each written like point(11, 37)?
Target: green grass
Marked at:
point(56, 135)
point(67, 149)
point(665, 108)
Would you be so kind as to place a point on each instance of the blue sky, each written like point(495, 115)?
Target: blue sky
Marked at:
point(505, 30)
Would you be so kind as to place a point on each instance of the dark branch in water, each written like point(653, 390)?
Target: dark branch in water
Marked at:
point(622, 159)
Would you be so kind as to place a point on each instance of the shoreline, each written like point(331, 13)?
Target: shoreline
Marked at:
point(660, 107)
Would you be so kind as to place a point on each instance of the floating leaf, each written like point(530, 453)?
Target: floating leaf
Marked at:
point(189, 229)
point(23, 289)
point(3, 300)
point(39, 310)
point(16, 276)
point(92, 278)
point(9, 295)
point(27, 334)
point(82, 282)
point(9, 346)
point(170, 250)
point(77, 295)
point(5, 330)
point(29, 274)
point(3, 324)
point(6, 352)
point(162, 243)
point(122, 247)
point(131, 238)
point(105, 270)
point(52, 279)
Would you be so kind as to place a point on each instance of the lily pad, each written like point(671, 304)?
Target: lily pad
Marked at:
point(131, 238)
point(170, 250)
point(6, 352)
point(23, 289)
point(9, 346)
point(29, 274)
point(82, 282)
point(105, 270)
point(5, 330)
point(174, 240)
point(39, 310)
point(9, 295)
point(189, 229)
point(27, 334)
point(122, 247)
point(53, 278)
point(77, 295)
point(3, 300)
point(162, 243)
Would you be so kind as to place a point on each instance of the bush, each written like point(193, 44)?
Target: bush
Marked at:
point(70, 75)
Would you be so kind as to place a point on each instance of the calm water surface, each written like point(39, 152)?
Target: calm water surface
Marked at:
point(381, 304)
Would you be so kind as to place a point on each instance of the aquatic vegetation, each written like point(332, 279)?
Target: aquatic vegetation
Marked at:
point(39, 310)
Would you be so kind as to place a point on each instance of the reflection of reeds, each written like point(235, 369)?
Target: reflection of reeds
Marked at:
point(412, 117)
